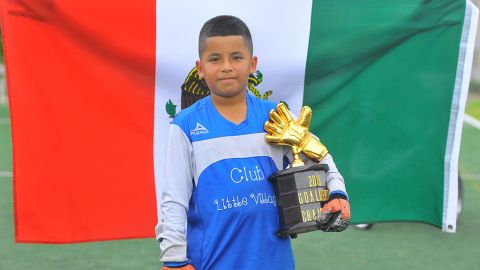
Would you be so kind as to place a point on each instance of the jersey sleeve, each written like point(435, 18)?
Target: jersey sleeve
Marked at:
point(177, 190)
point(335, 181)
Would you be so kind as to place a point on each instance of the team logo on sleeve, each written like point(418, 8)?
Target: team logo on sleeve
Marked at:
point(199, 129)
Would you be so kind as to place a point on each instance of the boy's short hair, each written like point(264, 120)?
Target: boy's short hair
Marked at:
point(225, 25)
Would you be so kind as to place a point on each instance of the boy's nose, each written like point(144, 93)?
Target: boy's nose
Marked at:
point(226, 67)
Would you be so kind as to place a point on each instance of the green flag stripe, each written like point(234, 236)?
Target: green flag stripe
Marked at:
point(380, 79)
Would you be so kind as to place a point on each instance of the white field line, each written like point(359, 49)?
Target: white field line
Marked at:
point(469, 176)
point(4, 120)
point(472, 121)
point(5, 174)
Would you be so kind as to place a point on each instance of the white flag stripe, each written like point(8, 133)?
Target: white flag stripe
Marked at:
point(280, 32)
point(452, 151)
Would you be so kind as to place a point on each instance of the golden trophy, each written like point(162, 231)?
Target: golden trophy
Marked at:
point(301, 190)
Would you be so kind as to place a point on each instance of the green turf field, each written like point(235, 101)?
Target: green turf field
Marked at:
point(386, 246)
point(473, 105)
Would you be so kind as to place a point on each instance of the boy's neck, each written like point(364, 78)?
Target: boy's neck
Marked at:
point(234, 109)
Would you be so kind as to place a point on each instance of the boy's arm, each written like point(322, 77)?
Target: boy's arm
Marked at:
point(335, 215)
point(283, 129)
point(335, 181)
point(177, 190)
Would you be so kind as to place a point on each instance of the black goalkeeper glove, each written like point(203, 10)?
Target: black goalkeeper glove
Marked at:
point(335, 215)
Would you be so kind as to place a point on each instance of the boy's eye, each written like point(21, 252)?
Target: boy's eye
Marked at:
point(213, 59)
point(237, 57)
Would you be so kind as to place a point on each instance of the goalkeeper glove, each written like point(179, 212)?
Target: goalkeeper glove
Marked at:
point(335, 215)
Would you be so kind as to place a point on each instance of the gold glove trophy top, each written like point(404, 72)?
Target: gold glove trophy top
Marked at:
point(300, 190)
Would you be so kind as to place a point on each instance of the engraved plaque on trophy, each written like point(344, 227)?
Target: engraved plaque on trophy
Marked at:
point(300, 192)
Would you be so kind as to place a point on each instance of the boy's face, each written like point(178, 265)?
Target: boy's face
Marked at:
point(226, 63)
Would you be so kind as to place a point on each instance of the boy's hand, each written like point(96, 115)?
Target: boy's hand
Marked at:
point(335, 216)
point(283, 129)
point(185, 267)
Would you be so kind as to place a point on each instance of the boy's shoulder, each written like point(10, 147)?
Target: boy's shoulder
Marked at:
point(200, 107)
point(201, 116)
point(188, 118)
point(193, 110)
point(261, 103)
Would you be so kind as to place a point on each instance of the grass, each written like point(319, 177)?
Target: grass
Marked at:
point(387, 246)
point(405, 245)
point(473, 105)
point(473, 108)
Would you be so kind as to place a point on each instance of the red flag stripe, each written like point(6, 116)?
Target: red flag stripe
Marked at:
point(81, 78)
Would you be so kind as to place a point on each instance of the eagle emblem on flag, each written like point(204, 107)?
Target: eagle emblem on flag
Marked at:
point(195, 88)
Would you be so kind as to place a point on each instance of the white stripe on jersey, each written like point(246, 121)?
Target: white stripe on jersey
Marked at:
point(242, 146)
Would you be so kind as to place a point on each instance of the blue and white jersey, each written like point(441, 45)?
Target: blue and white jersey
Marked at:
point(216, 179)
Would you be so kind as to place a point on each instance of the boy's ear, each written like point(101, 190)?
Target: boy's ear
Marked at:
point(253, 64)
point(198, 64)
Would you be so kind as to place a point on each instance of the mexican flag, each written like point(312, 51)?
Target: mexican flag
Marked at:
point(94, 85)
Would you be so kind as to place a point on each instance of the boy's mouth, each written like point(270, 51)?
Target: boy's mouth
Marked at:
point(227, 79)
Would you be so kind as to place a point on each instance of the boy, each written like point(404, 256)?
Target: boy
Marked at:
point(217, 168)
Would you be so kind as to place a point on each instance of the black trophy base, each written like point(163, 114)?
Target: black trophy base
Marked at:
point(301, 193)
